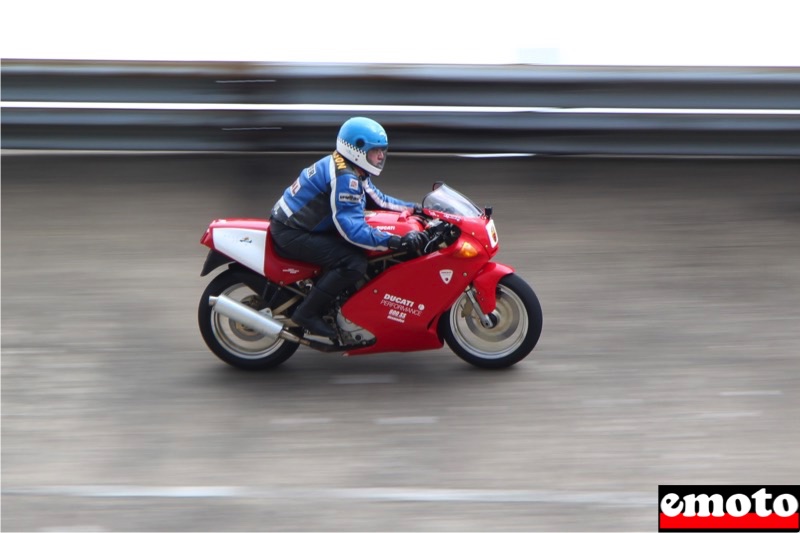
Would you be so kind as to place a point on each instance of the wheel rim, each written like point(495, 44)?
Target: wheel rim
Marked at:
point(508, 334)
point(238, 339)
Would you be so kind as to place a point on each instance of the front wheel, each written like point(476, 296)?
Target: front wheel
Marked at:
point(517, 325)
point(231, 341)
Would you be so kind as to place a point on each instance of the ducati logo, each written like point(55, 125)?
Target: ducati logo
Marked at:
point(446, 275)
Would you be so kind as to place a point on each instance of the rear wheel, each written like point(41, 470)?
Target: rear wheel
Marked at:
point(517, 325)
point(231, 341)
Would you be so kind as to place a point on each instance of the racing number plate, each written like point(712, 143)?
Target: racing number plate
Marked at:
point(492, 231)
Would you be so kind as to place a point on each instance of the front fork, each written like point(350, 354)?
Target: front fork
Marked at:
point(486, 321)
point(482, 293)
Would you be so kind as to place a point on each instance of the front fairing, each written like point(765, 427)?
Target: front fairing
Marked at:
point(402, 305)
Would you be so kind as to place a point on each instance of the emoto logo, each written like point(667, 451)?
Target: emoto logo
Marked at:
point(446, 275)
point(728, 508)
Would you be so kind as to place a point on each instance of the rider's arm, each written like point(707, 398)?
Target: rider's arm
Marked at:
point(384, 201)
point(348, 214)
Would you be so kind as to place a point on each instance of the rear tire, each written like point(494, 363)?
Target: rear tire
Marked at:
point(518, 325)
point(238, 345)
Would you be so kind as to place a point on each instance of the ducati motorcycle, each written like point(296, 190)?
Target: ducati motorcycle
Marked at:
point(449, 291)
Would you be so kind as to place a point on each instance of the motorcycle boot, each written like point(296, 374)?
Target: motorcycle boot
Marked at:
point(309, 313)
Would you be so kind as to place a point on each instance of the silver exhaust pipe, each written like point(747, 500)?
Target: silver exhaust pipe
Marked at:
point(251, 318)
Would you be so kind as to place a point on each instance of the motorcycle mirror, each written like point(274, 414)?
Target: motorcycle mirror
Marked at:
point(488, 210)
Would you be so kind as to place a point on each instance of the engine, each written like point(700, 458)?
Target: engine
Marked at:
point(352, 333)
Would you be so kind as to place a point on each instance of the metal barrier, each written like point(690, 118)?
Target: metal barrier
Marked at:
point(434, 108)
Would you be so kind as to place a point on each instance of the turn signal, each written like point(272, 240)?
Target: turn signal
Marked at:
point(467, 251)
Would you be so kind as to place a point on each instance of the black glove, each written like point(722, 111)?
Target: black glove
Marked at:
point(413, 241)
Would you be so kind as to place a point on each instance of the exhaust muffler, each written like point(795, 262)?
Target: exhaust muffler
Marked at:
point(251, 318)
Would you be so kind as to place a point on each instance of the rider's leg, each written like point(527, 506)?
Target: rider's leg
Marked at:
point(344, 265)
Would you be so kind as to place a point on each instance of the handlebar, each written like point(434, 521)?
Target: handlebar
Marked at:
point(440, 234)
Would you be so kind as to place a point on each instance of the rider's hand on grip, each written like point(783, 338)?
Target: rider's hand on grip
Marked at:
point(413, 241)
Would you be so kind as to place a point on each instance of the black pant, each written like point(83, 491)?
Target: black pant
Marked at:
point(343, 263)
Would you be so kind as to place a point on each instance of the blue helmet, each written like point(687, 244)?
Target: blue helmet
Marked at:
point(359, 135)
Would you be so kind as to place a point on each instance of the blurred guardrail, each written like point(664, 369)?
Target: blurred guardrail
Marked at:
point(426, 108)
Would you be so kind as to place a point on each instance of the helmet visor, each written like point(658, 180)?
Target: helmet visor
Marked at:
point(377, 157)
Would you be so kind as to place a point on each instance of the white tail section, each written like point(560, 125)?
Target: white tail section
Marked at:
point(247, 246)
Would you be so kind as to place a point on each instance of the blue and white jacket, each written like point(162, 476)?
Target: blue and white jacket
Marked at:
point(329, 196)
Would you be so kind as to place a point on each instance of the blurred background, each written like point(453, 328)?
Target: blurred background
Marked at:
point(642, 165)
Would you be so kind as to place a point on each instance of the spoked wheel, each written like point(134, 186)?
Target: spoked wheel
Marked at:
point(515, 330)
point(231, 341)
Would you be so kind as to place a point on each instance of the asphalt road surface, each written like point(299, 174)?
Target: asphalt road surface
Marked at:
point(670, 355)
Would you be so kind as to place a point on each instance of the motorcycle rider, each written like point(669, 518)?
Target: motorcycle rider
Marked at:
point(320, 218)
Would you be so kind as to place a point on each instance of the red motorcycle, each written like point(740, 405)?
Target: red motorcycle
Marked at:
point(449, 291)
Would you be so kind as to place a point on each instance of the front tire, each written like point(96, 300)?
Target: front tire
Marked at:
point(517, 326)
point(238, 345)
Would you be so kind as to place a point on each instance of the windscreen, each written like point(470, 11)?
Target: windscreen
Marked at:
point(450, 201)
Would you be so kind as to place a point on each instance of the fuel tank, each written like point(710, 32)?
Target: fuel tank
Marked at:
point(392, 222)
